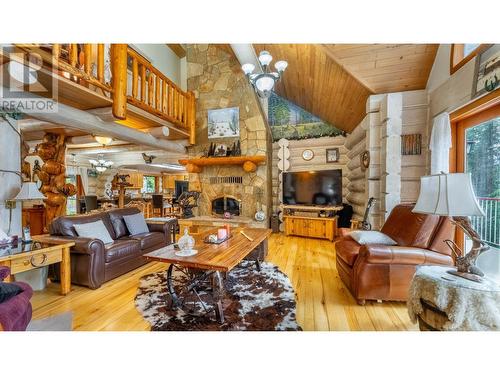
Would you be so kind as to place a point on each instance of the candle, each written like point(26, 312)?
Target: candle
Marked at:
point(228, 229)
point(221, 233)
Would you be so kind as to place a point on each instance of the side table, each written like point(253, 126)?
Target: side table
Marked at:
point(443, 302)
point(39, 253)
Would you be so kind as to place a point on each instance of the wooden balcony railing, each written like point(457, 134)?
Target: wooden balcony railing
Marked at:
point(155, 93)
point(150, 90)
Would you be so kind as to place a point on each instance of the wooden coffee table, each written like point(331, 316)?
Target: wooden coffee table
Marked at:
point(39, 253)
point(206, 269)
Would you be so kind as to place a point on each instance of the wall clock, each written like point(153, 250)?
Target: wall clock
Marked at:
point(307, 155)
point(365, 159)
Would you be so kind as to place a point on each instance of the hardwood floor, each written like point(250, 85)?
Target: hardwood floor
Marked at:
point(323, 303)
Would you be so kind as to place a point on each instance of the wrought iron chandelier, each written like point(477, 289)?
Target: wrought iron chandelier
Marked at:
point(100, 164)
point(263, 83)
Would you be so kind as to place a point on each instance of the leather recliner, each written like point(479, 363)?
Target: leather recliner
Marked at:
point(92, 262)
point(380, 272)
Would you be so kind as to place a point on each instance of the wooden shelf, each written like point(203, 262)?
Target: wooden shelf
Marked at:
point(249, 163)
point(298, 207)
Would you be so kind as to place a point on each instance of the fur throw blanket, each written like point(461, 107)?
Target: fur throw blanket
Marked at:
point(470, 306)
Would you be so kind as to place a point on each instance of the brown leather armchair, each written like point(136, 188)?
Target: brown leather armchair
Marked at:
point(380, 272)
point(92, 262)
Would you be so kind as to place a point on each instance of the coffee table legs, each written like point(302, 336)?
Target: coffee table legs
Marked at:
point(218, 293)
point(184, 291)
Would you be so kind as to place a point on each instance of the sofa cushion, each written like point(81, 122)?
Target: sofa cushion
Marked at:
point(9, 290)
point(116, 219)
point(347, 249)
point(121, 249)
point(136, 224)
point(148, 240)
point(64, 225)
point(408, 228)
point(96, 229)
point(368, 237)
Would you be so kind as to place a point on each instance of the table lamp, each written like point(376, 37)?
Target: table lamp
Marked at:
point(29, 191)
point(452, 195)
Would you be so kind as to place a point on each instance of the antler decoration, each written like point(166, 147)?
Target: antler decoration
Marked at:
point(467, 263)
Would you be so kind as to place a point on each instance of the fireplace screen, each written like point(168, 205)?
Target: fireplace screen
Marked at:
point(226, 204)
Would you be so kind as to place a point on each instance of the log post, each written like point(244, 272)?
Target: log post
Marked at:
point(119, 63)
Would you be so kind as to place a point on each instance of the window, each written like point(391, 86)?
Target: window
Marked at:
point(476, 150)
point(71, 201)
point(463, 53)
point(148, 184)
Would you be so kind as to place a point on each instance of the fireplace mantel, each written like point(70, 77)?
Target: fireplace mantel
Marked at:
point(249, 163)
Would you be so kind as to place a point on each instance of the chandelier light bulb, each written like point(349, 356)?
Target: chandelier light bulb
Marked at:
point(264, 84)
point(248, 68)
point(265, 58)
point(281, 66)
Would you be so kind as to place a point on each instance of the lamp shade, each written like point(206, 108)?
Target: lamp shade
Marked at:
point(29, 191)
point(447, 195)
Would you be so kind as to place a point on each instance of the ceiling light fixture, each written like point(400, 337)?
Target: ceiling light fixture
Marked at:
point(104, 141)
point(100, 164)
point(263, 83)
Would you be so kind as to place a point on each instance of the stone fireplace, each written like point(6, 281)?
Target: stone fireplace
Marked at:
point(217, 81)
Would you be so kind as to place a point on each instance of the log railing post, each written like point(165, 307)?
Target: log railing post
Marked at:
point(191, 117)
point(100, 62)
point(119, 64)
point(87, 57)
point(135, 77)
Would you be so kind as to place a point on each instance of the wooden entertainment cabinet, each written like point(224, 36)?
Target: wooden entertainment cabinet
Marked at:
point(305, 221)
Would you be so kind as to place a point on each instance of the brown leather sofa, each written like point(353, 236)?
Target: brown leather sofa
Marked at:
point(92, 262)
point(379, 272)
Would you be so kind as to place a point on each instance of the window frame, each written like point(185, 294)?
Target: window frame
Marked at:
point(480, 110)
point(457, 59)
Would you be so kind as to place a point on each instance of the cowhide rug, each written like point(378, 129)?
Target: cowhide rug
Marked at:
point(253, 301)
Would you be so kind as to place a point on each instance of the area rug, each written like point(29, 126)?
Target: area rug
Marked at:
point(254, 301)
point(61, 322)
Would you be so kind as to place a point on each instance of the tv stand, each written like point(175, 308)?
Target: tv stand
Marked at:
point(305, 221)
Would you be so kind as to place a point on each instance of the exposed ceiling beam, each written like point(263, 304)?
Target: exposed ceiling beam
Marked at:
point(178, 49)
point(82, 120)
point(120, 149)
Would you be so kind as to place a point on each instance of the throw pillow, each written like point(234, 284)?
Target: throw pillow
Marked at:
point(136, 224)
point(95, 229)
point(9, 290)
point(369, 237)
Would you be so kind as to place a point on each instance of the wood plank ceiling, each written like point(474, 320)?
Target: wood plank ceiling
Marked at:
point(333, 81)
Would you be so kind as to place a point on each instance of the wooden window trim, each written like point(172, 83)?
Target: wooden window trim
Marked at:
point(457, 59)
point(475, 113)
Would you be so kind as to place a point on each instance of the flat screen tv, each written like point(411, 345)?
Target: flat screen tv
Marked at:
point(313, 188)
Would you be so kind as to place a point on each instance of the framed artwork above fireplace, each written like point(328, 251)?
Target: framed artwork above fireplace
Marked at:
point(224, 123)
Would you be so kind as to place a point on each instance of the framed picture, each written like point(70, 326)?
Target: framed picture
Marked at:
point(224, 123)
point(332, 155)
point(411, 144)
point(220, 150)
point(487, 73)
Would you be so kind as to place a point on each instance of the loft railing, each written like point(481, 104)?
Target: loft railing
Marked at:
point(152, 91)
point(488, 227)
point(110, 71)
